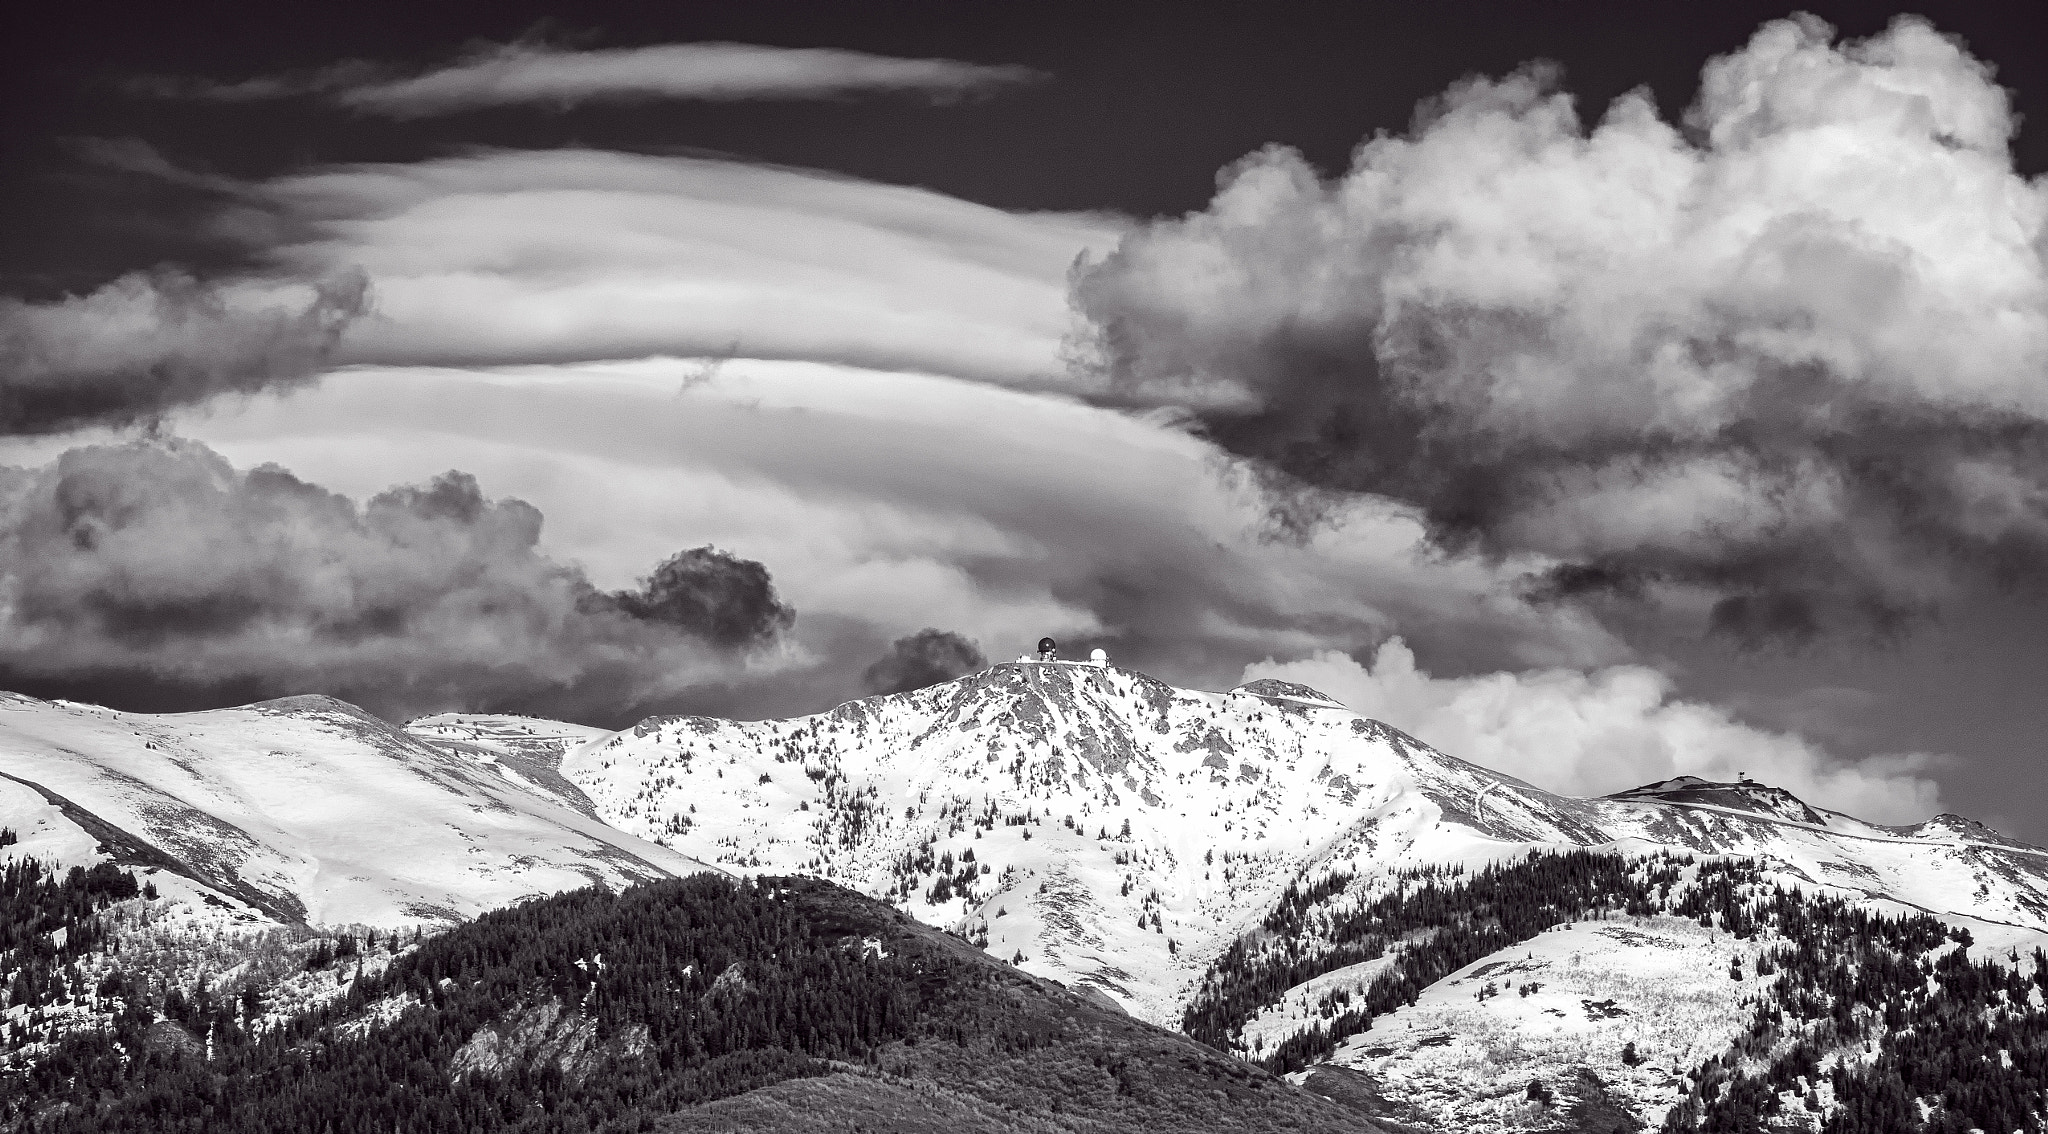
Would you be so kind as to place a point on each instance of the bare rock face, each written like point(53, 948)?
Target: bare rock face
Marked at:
point(164, 1036)
point(538, 1034)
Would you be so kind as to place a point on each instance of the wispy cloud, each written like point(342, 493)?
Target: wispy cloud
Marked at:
point(524, 74)
point(506, 257)
point(885, 503)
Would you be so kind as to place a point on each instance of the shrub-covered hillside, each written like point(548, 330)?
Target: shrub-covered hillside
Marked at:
point(697, 1004)
point(1848, 1020)
point(1435, 922)
point(1876, 1025)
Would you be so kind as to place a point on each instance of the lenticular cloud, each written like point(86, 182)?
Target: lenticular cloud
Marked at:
point(1789, 356)
point(518, 74)
point(145, 344)
point(525, 73)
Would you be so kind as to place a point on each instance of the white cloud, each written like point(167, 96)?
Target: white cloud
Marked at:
point(883, 499)
point(144, 344)
point(895, 501)
point(1795, 353)
point(565, 255)
point(520, 74)
point(1591, 732)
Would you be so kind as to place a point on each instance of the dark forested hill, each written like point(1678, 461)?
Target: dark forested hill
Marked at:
point(690, 1005)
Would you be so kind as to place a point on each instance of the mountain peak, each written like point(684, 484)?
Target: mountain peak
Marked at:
point(1113, 831)
point(1745, 795)
point(307, 703)
point(320, 705)
point(1286, 691)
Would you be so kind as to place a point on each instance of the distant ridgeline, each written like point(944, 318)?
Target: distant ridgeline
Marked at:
point(777, 1004)
point(1888, 1015)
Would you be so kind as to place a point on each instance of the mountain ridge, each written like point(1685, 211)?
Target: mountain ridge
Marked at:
point(303, 810)
point(1327, 878)
point(888, 793)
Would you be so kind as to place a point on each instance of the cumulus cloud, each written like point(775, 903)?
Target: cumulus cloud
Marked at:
point(1592, 733)
point(924, 658)
point(157, 572)
point(1787, 362)
point(149, 342)
point(522, 74)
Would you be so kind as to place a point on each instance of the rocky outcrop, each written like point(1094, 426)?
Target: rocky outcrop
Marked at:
point(543, 1033)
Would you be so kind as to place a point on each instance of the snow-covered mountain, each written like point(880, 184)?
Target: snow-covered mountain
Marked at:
point(1112, 831)
point(306, 810)
point(1263, 868)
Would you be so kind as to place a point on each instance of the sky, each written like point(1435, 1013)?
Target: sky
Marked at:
point(1603, 392)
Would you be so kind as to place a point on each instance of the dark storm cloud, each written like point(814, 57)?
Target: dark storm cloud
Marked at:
point(712, 594)
point(1791, 360)
point(516, 74)
point(156, 568)
point(150, 342)
point(924, 658)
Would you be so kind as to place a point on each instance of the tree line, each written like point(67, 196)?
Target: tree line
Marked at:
point(694, 989)
point(1436, 922)
point(1924, 1027)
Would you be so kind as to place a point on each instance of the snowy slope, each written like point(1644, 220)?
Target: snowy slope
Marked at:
point(1123, 832)
point(524, 750)
point(1572, 997)
point(305, 809)
point(1947, 865)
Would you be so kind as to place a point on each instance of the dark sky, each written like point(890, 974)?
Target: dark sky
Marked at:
point(1146, 101)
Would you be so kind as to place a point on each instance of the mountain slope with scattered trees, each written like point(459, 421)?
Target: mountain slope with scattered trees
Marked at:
point(593, 1011)
point(1839, 1019)
point(1434, 923)
point(1878, 1025)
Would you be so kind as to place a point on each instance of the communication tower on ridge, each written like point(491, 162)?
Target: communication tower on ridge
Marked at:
point(1049, 651)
